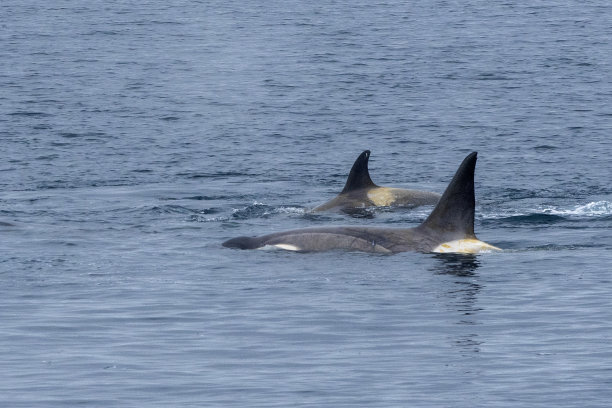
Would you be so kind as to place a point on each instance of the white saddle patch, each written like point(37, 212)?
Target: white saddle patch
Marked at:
point(382, 196)
point(465, 246)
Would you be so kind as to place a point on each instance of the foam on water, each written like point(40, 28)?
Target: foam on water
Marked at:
point(261, 210)
point(249, 212)
point(545, 214)
point(592, 209)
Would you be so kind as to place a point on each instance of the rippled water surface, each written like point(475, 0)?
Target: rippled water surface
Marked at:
point(136, 137)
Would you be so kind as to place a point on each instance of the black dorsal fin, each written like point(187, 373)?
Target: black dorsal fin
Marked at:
point(454, 214)
point(359, 177)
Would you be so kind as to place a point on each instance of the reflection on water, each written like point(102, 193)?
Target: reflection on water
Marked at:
point(462, 296)
point(457, 264)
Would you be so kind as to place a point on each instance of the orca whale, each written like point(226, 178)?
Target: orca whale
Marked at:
point(448, 228)
point(361, 192)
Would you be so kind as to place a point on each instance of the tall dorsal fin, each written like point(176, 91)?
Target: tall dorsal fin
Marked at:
point(359, 177)
point(454, 214)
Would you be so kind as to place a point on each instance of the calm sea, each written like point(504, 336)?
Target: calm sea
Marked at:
point(137, 136)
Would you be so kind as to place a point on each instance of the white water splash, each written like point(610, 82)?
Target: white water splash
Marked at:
point(290, 210)
point(592, 209)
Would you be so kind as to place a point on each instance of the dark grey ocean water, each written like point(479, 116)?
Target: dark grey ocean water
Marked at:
point(137, 136)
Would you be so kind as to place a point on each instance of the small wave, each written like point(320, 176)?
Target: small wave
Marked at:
point(554, 247)
point(290, 210)
point(519, 194)
point(260, 210)
point(88, 136)
point(213, 175)
point(491, 76)
point(548, 215)
point(592, 209)
point(171, 209)
point(545, 147)
point(102, 32)
point(30, 114)
point(201, 218)
point(207, 198)
point(255, 210)
point(532, 219)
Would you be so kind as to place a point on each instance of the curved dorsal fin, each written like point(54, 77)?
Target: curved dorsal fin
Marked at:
point(454, 214)
point(359, 177)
